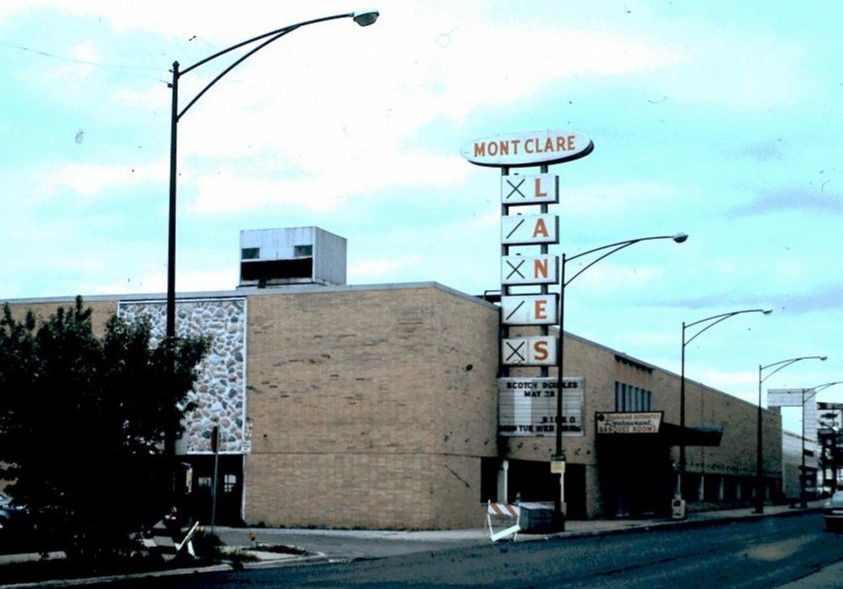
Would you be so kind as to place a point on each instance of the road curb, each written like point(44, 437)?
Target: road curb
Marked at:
point(688, 524)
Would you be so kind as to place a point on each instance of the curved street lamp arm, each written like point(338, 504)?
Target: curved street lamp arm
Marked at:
point(240, 60)
point(818, 388)
point(615, 247)
point(273, 36)
point(822, 387)
point(719, 318)
point(784, 364)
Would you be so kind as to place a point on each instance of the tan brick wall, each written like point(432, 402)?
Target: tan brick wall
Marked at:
point(101, 310)
point(736, 454)
point(373, 407)
point(705, 406)
point(369, 407)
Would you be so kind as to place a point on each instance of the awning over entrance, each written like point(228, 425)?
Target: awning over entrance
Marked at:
point(623, 424)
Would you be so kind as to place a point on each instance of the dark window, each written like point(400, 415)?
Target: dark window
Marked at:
point(250, 253)
point(630, 398)
point(277, 269)
point(302, 250)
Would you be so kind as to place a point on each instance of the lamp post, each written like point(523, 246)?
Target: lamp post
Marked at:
point(361, 18)
point(609, 249)
point(803, 499)
point(257, 43)
point(705, 324)
point(759, 450)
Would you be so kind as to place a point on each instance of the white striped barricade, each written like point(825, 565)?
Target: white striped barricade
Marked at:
point(164, 541)
point(498, 514)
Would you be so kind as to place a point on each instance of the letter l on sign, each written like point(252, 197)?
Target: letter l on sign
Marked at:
point(529, 190)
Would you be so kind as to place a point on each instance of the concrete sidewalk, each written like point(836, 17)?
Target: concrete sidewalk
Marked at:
point(264, 547)
point(361, 544)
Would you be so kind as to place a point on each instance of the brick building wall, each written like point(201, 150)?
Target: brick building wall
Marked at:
point(369, 407)
point(102, 309)
point(601, 367)
point(376, 407)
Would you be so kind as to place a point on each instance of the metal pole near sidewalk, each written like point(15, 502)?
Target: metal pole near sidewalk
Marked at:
point(215, 446)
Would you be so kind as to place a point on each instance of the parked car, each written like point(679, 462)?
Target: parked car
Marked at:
point(13, 518)
point(833, 511)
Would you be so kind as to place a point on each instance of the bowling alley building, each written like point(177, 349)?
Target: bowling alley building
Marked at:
point(377, 406)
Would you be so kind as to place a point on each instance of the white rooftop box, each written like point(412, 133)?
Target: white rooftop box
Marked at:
point(295, 255)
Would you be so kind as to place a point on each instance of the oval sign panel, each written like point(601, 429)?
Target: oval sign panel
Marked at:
point(527, 149)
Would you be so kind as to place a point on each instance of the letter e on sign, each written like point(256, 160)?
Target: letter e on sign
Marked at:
point(529, 309)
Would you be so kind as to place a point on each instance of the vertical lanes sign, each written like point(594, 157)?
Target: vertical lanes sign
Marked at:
point(528, 406)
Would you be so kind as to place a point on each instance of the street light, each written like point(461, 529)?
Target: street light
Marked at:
point(803, 499)
point(707, 324)
point(759, 450)
point(361, 18)
point(558, 513)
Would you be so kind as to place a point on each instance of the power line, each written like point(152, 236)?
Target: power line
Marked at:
point(120, 68)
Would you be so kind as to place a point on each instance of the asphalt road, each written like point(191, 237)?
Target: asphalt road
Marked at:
point(768, 552)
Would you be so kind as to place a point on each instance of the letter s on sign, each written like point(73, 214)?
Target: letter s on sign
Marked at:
point(540, 350)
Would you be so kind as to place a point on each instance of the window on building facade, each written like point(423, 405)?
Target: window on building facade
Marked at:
point(229, 482)
point(631, 398)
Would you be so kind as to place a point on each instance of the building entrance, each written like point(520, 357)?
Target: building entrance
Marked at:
point(531, 480)
point(635, 475)
point(229, 487)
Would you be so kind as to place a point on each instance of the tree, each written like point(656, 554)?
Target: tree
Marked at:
point(83, 421)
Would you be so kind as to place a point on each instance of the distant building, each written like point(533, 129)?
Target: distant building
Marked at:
point(792, 447)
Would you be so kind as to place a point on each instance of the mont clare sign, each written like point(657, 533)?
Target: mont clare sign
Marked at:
point(529, 148)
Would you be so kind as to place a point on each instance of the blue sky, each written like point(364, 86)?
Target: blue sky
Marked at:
point(718, 119)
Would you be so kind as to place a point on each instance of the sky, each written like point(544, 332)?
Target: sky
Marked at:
point(718, 119)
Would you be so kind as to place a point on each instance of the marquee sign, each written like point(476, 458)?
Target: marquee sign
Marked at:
point(527, 406)
point(527, 149)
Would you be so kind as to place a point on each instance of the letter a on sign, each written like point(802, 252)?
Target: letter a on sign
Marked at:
point(529, 229)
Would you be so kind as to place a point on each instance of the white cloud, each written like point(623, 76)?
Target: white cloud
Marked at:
point(93, 180)
point(154, 281)
point(380, 267)
point(608, 278)
point(255, 185)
